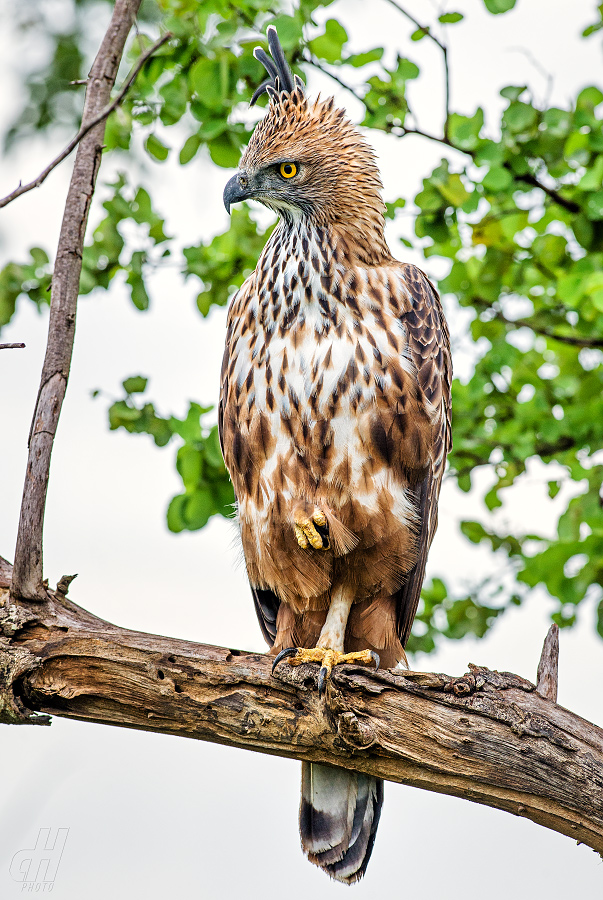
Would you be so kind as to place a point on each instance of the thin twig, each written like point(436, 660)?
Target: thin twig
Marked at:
point(432, 137)
point(570, 205)
point(427, 32)
point(312, 62)
point(12, 346)
point(424, 28)
point(24, 188)
point(447, 101)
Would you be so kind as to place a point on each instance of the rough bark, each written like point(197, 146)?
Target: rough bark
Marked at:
point(28, 577)
point(488, 737)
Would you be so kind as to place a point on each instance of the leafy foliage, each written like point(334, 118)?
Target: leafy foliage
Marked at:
point(516, 211)
point(207, 488)
point(223, 264)
point(31, 279)
point(108, 252)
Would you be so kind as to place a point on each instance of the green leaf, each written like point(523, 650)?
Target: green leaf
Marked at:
point(213, 452)
point(206, 80)
point(175, 99)
point(520, 117)
point(473, 531)
point(450, 18)
point(39, 257)
point(496, 7)
point(328, 45)
point(135, 385)
point(198, 509)
point(600, 618)
point(138, 291)
point(419, 34)
point(224, 152)
point(391, 208)
point(189, 463)
point(189, 149)
point(156, 148)
point(175, 514)
point(497, 180)
point(554, 488)
point(589, 98)
point(513, 93)
point(594, 206)
point(464, 130)
point(453, 190)
point(362, 59)
point(407, 70)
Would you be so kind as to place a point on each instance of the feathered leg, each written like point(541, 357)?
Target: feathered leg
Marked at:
point(329, 647)
point(339, 810)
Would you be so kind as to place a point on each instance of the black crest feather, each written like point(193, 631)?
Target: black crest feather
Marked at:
point(281, 78)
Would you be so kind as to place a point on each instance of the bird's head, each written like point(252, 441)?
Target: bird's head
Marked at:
point(306, 160)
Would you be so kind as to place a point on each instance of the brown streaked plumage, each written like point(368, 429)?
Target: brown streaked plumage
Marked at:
point(334, 421)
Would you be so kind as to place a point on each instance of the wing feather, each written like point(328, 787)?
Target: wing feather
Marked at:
point(429, 347)
point(265, 601)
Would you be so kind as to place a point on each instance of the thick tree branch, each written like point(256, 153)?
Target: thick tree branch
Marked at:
point(27, 576)
point(103, 114)
point(488, 737)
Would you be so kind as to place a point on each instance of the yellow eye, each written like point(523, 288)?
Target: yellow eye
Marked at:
point(288, 170)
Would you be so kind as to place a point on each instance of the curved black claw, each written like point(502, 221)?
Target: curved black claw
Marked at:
point(322, 680)
point(323, 531)
point(375, 658)
point(290, 651)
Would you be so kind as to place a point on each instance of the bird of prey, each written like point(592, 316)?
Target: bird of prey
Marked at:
point(334, 423)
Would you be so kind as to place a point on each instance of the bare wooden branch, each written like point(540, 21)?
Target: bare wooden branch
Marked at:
point(12, 346)
point(548, 667)
point(101, 116)
point(27, 576)
point(488, 737)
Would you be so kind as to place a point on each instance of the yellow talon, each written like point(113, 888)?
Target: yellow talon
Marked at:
point(301, 537)
point(319, 517)
point(327, 658)
point(306, 533)
point(312, 534)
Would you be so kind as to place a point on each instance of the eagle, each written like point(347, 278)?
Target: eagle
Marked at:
point(334, 422)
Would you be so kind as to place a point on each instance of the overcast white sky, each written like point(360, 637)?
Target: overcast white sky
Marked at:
point(152, 815)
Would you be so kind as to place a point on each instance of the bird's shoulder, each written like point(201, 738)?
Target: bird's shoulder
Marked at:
point(427, 333)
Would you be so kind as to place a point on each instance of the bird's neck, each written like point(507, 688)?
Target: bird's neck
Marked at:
point(355, 240)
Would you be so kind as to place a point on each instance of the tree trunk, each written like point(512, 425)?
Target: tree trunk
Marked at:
point(488, 737)
point(28, 577)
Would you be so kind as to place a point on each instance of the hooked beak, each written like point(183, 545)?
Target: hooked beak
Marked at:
point(236, 189)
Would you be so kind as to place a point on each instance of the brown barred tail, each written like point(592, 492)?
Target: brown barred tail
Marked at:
point(338, 819)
